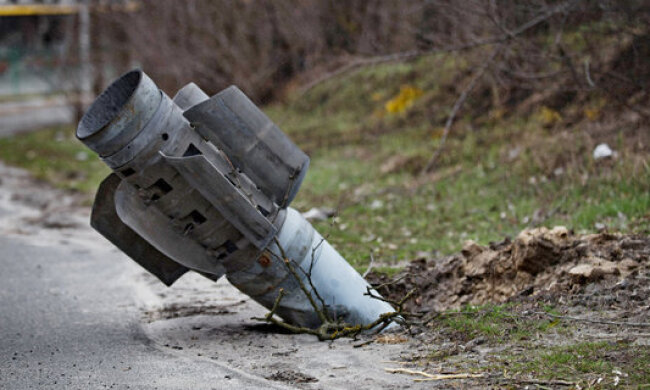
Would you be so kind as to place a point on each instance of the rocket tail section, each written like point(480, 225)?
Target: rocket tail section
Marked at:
point(105, 220)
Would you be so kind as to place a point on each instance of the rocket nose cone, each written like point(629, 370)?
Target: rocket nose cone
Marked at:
point(119, 113)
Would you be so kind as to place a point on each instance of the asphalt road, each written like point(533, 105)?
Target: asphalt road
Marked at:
point(69, 319)
point(76, 313)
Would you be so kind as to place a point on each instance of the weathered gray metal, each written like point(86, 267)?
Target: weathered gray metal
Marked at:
point(204, 184)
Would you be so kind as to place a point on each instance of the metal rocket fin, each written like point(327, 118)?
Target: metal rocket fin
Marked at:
point(225, 197)
point(160, 231)
point(105, 220)
point(252, 142)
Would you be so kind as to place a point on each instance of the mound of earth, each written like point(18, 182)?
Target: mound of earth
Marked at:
point(537, 262)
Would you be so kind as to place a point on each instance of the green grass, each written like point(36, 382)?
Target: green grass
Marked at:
point(480, 200)
point(497, 324)
point(583, 363)
point(525, 346)
point(477, 191)
point(56, 156)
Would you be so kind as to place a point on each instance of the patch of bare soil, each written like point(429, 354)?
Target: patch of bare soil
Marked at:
point(577, 313)
point(537, 263)
point(177, 311)
point(291, 376)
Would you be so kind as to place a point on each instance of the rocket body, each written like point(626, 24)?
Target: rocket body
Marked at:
point(204, 184)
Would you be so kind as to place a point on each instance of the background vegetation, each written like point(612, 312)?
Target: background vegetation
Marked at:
point(428, 122)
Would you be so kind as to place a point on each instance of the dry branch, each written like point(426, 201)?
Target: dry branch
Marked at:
point(432, 377)
point(372, 262)
point(456, 107)
point(331, 328)
point(411, 54)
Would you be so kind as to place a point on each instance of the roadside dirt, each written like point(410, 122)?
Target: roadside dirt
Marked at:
point(539, 262)
point(198, 318)
point(511, 309)
point(207, 320)
point(600, 278)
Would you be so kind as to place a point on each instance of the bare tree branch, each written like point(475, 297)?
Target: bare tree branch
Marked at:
point(331, 328)
point(407, 55)
point(456, 107)
point(372, 261)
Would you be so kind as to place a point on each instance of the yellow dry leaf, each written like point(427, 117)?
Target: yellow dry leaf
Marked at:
point(549, 116)
point(592, 113)
point(404, 99)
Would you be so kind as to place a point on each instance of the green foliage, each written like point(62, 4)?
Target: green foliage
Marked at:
point(477, 191)
point(587, 361)
point(495, 323)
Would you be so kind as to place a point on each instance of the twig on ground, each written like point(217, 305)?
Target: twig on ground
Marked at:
point(432, 377)
point(435, 377)
point(363, 344)
point(543, 382)
point(372, 261)
point(391, 282)
point(399, 304)
point(330, 328)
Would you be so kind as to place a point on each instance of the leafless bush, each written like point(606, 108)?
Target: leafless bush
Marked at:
point(560, 49)
point(550, 47)
point(257, 45)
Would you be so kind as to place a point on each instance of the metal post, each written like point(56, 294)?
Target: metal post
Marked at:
point(85, 86)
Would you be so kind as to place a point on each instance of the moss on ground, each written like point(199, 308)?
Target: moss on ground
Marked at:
point(520, 345)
